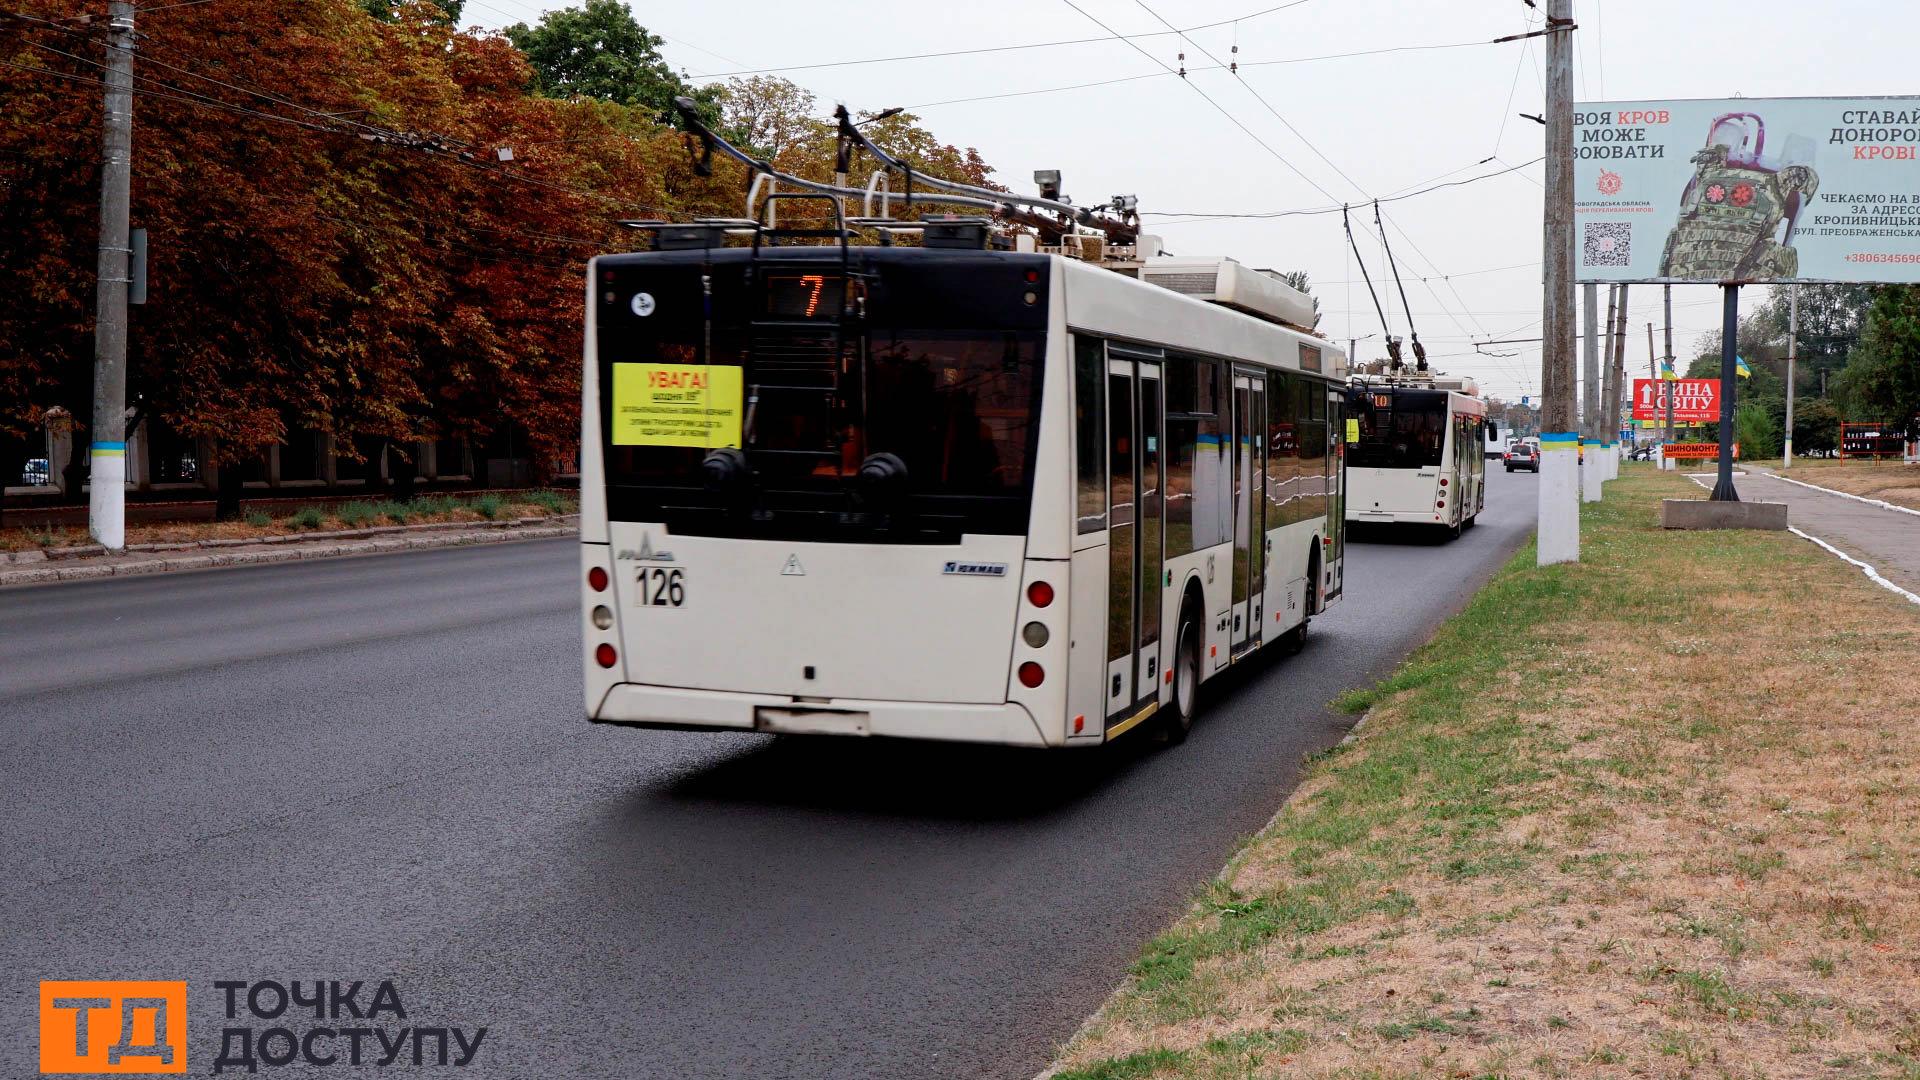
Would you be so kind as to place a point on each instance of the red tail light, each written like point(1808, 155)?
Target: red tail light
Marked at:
point(1039, 594)
point(1032, 675)
point(1443, 481)
point(604, 655)
point(597, 580)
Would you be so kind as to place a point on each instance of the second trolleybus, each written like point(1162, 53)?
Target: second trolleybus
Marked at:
point(1414, 454)
point(942, 493)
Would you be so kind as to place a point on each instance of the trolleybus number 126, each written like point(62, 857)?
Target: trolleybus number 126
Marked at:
point(969, 495)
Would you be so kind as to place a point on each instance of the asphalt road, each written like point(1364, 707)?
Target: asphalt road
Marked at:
point(376, 768)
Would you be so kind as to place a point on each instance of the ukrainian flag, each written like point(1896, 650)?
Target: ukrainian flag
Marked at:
point(1740, 367)
point(1666, 371)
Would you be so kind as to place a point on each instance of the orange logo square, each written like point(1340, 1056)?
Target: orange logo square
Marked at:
point(113, 1028)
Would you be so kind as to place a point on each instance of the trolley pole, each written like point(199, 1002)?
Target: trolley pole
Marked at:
point(1666, 299)
point(1793, 352)
point(1559, 506)
point(107, 500)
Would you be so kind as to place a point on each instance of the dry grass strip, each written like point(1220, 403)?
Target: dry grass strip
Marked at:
point(1652, 815)
point(1888, 481)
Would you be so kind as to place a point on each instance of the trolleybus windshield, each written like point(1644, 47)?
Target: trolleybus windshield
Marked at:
point(1399, 428)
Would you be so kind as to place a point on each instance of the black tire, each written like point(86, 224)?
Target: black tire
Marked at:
point(1509, 468)
point(1176, 720)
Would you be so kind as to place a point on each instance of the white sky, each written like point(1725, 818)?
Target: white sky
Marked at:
point(1389, 122)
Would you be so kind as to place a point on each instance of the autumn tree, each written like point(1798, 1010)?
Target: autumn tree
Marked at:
point(360, 225)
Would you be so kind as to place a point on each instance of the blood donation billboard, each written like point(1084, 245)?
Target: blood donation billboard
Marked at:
point(1747, 190)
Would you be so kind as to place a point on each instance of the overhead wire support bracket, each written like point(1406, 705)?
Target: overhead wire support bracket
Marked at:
point(1554, 26)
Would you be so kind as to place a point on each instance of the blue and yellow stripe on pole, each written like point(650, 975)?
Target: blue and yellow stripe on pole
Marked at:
point(108, 449)
point(1559, 440)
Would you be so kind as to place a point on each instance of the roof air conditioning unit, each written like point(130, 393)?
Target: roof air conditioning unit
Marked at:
point(1259, 293)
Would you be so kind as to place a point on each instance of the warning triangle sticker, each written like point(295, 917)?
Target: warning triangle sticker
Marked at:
point(793, 568)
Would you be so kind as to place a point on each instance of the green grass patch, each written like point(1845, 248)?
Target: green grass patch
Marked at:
point(1140, 1066)
point(356, 515)
point(307, 517)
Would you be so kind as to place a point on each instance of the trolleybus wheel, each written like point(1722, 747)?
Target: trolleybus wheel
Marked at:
point(1295, 639)
point(1186, 681)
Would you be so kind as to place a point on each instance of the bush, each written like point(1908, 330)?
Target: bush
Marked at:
point(487, 506)
point(434, 506)
point(307, 517)
point(396, 512)
point(259, 519)
point(356, 515)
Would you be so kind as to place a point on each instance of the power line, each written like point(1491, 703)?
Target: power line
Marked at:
point(1190, 71)
point(433, 145)
point(999, 48)
point(1200, 215)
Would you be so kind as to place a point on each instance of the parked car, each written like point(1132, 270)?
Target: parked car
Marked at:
point(1522, 455)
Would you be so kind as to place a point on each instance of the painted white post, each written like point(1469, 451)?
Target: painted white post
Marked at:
point(1559, 537)
point(1593, 469)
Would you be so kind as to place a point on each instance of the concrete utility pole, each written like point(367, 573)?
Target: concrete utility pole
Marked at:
point(107, 501)
point(1593, 408)
point(1590, 355)
point(1666, 299)
point(1559, 508)
point(1793, 353)
point(1616, 374)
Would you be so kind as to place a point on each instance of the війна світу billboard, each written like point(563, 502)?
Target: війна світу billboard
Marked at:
point(1747, 189)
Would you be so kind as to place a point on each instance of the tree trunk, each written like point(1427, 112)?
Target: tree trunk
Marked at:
point(402, 469)
point(226, 499)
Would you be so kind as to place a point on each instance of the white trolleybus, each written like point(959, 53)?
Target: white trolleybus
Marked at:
point(1414, 451)
point(944, 492)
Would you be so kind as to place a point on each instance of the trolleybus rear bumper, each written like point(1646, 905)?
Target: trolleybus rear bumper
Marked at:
point(701, 710)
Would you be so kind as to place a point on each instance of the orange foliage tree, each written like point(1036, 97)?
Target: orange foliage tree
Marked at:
point(372, 228)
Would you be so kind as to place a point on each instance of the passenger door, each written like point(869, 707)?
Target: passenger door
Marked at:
point(1136, 480)
point(1249, 499)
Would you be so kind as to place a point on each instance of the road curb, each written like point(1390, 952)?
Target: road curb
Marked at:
point(283, 551)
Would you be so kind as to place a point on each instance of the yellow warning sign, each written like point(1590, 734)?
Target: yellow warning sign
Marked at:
point(1353, 430)
point(676, 405)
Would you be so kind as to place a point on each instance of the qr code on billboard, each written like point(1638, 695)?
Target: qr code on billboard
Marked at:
point(1607, 243)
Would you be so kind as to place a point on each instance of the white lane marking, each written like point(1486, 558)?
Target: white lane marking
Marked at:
point(1870, 571)
point(1849, 495)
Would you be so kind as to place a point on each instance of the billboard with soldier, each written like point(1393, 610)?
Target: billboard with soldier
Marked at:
point(1748, 190)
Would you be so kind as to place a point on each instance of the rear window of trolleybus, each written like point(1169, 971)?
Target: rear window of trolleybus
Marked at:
point(958, 407)
point(1399, 429)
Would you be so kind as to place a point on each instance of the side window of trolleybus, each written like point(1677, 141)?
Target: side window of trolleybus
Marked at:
point(1090, 432)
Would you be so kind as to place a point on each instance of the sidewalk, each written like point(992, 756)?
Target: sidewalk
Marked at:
point(1889, 539)
point(42, 567)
